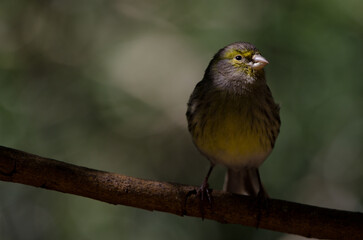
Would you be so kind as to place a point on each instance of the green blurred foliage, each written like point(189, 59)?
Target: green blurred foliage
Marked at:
point(104, 84)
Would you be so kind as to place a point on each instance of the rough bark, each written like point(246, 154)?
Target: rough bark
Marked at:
point(283, 216)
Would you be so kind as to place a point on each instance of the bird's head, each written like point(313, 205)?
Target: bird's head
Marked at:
point(238, 63)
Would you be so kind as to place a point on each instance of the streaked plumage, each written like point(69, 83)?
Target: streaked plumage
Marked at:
point(232, 116)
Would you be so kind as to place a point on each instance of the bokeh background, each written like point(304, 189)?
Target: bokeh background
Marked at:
point(104, 84)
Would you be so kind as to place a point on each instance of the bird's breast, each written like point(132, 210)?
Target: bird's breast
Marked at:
point(232, 132)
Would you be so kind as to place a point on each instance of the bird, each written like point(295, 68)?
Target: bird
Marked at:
point(233, 118)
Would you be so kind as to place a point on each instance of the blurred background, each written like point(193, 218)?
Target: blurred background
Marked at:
point(104, 84)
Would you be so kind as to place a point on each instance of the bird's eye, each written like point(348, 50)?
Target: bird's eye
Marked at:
point(238, 57)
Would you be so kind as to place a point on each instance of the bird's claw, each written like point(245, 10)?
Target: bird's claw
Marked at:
point(261, 205)
point(203, 193)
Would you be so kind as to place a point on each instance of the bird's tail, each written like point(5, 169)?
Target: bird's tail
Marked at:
point(245, 182)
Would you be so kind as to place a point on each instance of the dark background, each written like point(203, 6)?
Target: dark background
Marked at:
point(104, 84)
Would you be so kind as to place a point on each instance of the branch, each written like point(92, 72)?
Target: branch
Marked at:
point(310, 221)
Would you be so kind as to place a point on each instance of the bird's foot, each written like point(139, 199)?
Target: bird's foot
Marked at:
point(204, 194)
point(262, 200)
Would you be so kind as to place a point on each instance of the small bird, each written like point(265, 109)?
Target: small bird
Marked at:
point(233, 118)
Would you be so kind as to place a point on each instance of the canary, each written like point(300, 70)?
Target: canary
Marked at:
point(233, 118)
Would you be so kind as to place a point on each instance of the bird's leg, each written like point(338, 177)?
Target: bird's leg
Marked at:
point(262, 199)
point(204, 190)
point(262, 194)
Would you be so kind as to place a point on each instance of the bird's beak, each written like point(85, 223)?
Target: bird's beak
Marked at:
point(259, 62)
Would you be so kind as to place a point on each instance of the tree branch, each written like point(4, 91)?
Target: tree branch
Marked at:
point(310, 221)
